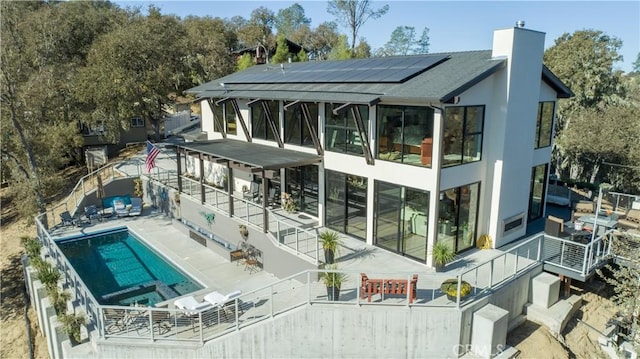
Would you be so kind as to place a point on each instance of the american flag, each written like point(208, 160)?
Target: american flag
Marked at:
point(152, 153)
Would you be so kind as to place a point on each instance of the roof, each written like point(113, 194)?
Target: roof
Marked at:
point(253, 154)
point(429, 78)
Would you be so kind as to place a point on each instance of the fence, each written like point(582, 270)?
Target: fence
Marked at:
point(581, 258)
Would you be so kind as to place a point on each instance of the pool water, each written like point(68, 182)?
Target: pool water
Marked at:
point(119, 269)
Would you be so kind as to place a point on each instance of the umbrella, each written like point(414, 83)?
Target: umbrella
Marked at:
point(99, 187)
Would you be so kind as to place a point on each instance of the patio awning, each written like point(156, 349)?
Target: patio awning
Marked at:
point(252, 154)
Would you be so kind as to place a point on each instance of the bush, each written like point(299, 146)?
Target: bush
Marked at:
point(48, 275)
point(71, 324)
point(450, 288)
point(31, 246)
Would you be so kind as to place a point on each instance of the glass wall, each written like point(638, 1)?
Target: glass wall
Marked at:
point(537, 191)
point(341, 134)
point(405, 134)
point(544, 124)
point(230, 117)
point(302, 184)
point(401, 217)
point(296, 131)
point(218, 114)
point(462, 136)
point(346, 203)
point(458, 216)
point(260, 125)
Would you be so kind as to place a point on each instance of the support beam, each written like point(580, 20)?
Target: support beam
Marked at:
point(364, 139)
point(292, 105)
point(340, 109)
point(230, 182)
point(202, 194)
point(265, 193)
point(306, 115)
point(274, 126)
point(240, 119)
point(216, 120)
point(254, 102)
point(179, 168)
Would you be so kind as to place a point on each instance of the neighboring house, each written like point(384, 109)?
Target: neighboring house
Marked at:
point(399, 152)
point(260, 55)
point(94, 136)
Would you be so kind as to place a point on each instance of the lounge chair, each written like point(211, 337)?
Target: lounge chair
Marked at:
point(136, 206)
point(120, 208)
point(67, 220)
point(224, 304)
point(192, 308)
point(91, 212)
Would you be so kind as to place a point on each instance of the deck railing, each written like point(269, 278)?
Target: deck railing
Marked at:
point(300, 241)
point(581, 258)
point(280, 297)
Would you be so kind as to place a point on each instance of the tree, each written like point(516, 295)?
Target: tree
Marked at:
point(244, 62)
point(636, 64)
point(43, 46)
point(353, 14)
point(422, 45)
point(290, 20)
point(134, 70)
point(209, 46)
point(363, 50)
point(624, 278)
point(403, 42)
point(341, 50)
point(257, 32)
point(584, 61)
point(302, 56)
point(318, 41)
point(282, 51)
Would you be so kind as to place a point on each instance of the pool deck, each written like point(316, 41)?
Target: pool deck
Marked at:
point(217, 273)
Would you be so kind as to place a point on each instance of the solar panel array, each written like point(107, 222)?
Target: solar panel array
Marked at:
point(371, 70)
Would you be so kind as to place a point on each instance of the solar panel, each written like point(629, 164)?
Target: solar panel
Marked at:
point(378, 69)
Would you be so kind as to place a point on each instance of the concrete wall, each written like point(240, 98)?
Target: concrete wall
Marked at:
point(325, 331)
point(274, 259)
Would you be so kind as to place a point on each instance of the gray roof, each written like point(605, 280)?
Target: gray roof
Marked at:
point(253, 154)
point(436, 84)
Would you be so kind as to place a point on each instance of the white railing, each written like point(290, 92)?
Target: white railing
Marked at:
point(581, 258)
point(301, 242)
point(620, 202)
point(504, 267)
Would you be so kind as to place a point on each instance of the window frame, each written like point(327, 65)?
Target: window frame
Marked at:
point(539, 123)
point(465, 135)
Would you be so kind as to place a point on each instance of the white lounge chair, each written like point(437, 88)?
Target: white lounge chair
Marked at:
point(224, 304)
point(136, 206)
point(191, 304)
point(120, 208)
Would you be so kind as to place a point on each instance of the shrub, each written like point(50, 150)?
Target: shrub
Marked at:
point(71, 324)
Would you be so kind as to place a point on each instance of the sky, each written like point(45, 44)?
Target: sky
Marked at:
point(453, 25)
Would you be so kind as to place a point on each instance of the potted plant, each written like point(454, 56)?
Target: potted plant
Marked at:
point(288, 204)
point(330, 241)
point(244, 231)
point(333, 281)
point(450, 288)
point(442, 254)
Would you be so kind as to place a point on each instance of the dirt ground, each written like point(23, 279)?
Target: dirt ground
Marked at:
point(533, 340)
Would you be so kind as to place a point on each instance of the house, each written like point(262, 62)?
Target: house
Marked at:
point(260, 55)
point(399, 152)
point(93, 136)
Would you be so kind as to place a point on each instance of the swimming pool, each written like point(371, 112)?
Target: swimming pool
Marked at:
point(119, 269)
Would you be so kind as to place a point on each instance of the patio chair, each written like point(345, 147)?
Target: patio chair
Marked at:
point(191, 308)
point(91, 212)
point(161, 321)
point(136, 206)
point(116, 320)
point(120, 208)
point(225, 304)
point(67, 220)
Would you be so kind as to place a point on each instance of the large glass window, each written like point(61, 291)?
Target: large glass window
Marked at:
point(302, 184)
point(544, 124)
point(218, 116)
point(458, 216)
point(230, 117)
point(296, 131)
point(341, 134)
point(260, 127)
point(462, 139)
point(401, 215)
point(346, 203)
point(537, 190)
point(405, 134)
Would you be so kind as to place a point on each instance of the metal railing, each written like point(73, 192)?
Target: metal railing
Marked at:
point(504, 267)
point(581, 258)
point(85, 185)
point(619, 202)
point(299, 241)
